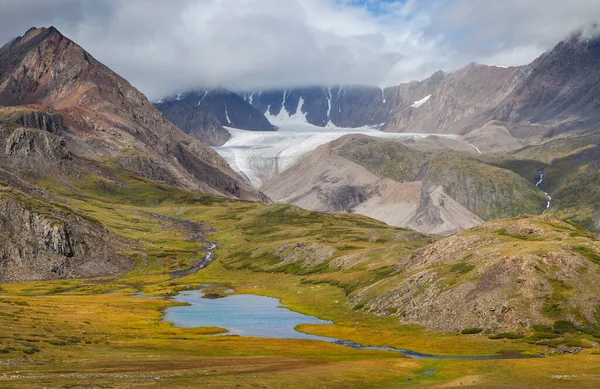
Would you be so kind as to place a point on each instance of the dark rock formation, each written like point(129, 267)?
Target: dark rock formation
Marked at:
point(343, 106)
point(39, 241)
point(202, 114)
point(195, 121)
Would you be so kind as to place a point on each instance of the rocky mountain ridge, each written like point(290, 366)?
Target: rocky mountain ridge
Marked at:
point(556, 91)
point(106, 117)
point(67, 121)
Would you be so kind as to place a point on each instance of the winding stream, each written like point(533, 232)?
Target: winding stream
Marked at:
point(207, 260)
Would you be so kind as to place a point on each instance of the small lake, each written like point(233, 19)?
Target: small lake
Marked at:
point(241, 314)
point(264, 317)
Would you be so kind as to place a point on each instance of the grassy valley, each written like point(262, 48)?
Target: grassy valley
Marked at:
point(83, 331)
point(108, 210)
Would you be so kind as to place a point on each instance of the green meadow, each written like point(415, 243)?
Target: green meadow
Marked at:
point(95, 333)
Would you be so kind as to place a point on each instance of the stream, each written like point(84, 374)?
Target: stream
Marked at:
point(207, 260)
point(538, 182)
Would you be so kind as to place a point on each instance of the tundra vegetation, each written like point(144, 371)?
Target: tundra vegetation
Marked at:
point(96, 332)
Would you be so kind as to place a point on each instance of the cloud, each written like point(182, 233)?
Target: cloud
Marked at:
point(520, 30)
point(164, 47)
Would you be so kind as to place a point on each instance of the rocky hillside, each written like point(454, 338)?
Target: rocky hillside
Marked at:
point(489, 191)
point(560, 90)
point(203, 114)
point(43, 241)
point(501, 276)
point(105, 117)
point(438, 192)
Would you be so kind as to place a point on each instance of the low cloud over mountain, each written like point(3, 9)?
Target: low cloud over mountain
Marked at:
point(249, 44)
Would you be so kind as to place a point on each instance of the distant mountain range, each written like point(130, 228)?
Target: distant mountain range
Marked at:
point(491, 109)
point(556, 93)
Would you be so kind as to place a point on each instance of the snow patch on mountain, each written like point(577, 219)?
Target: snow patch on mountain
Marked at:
point(419, 103)
point(227, 116)
point(284, 117)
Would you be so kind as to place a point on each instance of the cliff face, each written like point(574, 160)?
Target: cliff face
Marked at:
point(561, 88)
point(202, 114)
point(342, 106)
point(40, 241)
point(105, 115)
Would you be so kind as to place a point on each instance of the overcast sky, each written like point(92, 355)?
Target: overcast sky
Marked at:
point(163, 47)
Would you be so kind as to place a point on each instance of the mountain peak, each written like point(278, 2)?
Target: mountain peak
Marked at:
point(38, 34)
point(44, 67)
point(38, 66)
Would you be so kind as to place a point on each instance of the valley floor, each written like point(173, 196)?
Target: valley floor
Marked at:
point(118, 340)
point(96, 333)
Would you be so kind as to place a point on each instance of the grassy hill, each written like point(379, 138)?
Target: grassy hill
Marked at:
point(489, 191)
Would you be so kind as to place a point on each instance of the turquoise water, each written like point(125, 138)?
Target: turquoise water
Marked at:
point(241, 314)
point(264, 317)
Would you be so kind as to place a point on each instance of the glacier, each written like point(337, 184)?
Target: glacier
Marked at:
point(260, 155)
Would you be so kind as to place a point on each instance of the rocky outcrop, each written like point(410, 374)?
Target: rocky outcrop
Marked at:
point(308, 254)
point(40, 118)
point(39, 241)
point(33, 152)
